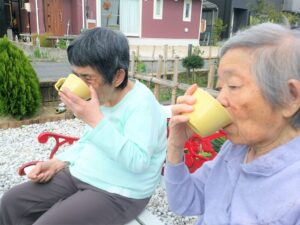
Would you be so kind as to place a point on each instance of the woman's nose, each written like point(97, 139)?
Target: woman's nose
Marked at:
point(221, 97)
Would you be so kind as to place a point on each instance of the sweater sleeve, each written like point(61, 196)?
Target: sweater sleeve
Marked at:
point(185, 191)
point(133, 142)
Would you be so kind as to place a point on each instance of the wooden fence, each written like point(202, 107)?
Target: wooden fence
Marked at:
point(159, 78)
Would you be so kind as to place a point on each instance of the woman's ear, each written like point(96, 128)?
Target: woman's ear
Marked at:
point(119, 78)
point(294, 105)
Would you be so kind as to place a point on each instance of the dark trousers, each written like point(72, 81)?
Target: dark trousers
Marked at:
point(66, 200)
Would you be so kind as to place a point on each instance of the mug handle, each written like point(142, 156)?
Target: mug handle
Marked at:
point(59, 83)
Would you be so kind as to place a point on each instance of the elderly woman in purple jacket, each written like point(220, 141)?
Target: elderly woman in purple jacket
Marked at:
point(255, 179)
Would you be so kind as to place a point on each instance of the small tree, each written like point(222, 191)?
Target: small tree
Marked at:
point(19, 87)
point(193, 62)
point(217, 30)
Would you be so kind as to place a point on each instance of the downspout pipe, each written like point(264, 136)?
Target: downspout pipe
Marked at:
point(37, 17)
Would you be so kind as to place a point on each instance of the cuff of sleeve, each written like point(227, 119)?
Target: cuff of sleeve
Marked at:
point(66, 160)
point(176, 173)
point(61, 156)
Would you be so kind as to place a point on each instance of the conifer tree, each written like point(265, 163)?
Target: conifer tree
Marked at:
point(19, 86)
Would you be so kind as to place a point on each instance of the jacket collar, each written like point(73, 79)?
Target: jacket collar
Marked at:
point(275, 160)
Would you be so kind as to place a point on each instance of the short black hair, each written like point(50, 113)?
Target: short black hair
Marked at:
point(104, 50)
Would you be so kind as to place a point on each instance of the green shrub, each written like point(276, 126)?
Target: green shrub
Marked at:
point(140, 66)
point(217, 30)
point(62, 44)
point(39, 54)
point(193, 62)
point(19, 87)
point(44, 41)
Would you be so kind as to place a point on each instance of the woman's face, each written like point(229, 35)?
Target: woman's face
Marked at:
point(255, 122)
point(91, 77)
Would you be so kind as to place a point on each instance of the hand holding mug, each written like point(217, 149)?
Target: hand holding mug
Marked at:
point(208, 116)
point(179, 130)
point(87, 111)
point(195, 112)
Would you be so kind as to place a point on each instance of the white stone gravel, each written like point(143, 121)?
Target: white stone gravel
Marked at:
point(20, 145)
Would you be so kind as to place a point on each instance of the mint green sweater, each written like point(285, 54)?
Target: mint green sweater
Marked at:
point(124, 153)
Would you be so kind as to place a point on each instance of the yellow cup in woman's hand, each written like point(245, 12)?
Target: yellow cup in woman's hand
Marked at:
point(75, 85)
point(208, 116)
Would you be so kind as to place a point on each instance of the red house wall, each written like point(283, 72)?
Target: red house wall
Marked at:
point(92, 9)
point(67, 15)
point(33, 16)
point(73, 13)
point(171, 25)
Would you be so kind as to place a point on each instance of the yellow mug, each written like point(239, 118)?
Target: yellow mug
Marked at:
point(75, 85)
point(208, 116)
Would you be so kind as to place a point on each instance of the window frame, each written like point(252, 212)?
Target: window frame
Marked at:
point(185, 3)
point(160, 15)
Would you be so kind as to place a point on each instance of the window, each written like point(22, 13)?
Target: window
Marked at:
point(110, 14)
point(187, 10)
point(157, 9)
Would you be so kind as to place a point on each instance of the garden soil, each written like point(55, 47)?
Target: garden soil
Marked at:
point(46, 113)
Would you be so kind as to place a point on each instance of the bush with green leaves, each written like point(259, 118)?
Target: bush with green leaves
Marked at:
point(263, 11)
point(193, 62)
point(217, 30)
point(62, 44)
point(140, 66)
point(20, 94)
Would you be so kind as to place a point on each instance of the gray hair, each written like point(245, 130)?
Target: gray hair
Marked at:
point(275, 50)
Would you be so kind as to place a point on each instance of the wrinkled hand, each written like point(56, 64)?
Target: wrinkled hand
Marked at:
point(44, 171)
point(88, 111)
point(179, 130)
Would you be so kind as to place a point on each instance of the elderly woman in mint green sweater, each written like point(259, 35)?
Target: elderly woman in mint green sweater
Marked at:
point(255, 178)
point(109, 175)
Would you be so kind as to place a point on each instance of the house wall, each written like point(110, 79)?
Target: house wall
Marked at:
point(67, 15)
point(244, 4)
point(33, 16)
point(24, 26)
point(76, 18)
point(3, 25)
point(292, 5)
point(226, 8)
point(171, 26)
point(92, 9)
point(72, 14)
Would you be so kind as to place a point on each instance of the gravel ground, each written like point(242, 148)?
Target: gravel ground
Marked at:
point(20, 145)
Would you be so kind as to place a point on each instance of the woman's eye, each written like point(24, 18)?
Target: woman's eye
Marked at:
point(233, 87)
point(218, 88)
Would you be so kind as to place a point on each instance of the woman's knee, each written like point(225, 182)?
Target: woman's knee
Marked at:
point(8, 198)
